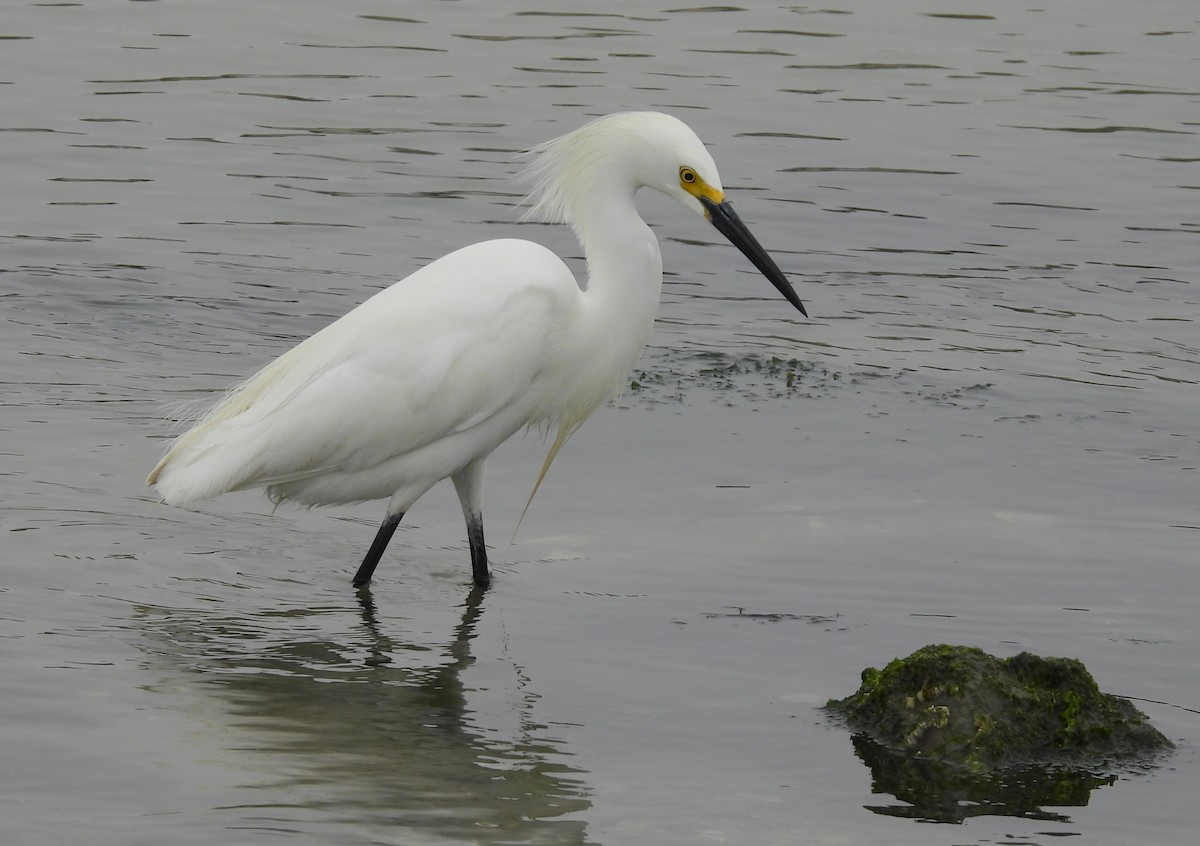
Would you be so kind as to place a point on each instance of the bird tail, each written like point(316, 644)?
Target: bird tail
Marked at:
point(184, 476)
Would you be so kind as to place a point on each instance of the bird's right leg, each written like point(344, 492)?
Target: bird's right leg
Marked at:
point(386, 530)
point(469, 484)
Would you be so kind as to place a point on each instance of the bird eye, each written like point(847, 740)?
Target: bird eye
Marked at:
point(687, 175)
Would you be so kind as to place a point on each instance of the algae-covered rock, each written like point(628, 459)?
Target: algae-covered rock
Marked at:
point(961, 706)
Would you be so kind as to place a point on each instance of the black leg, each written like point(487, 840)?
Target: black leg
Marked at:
point(386, 530)
point(479, 562)
point(469, 484)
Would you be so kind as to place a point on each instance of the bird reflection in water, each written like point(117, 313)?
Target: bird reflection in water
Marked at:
point(364, 728)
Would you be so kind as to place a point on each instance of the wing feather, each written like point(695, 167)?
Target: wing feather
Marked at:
point(439, 352)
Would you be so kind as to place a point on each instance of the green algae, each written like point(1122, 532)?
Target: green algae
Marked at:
point(955, 733)
point(959, 705)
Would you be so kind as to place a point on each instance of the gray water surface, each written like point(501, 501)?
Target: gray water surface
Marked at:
point(991, 434)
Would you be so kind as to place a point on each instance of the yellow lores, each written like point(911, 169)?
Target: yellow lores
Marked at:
point(691, 182)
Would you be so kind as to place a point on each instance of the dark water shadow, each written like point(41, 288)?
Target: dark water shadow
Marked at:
point(364, 728)
point(934, 791)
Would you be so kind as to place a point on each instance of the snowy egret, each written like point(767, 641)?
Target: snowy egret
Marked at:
point(426, 378)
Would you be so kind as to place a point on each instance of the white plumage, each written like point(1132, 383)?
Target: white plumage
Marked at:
point(426, 378)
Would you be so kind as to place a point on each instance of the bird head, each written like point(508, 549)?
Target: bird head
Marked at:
point(656, 151)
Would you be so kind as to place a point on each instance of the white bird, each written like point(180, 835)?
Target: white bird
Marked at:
point(426, 378)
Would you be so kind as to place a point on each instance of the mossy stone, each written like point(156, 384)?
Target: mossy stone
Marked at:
point(960, 705)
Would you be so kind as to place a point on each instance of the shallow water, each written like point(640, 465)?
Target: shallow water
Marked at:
point(990, 437)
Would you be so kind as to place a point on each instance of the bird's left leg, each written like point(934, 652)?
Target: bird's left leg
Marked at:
point(469, 484)
point(386, 530)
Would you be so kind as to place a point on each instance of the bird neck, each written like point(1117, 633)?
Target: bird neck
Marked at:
point(623, 258)
point(623, 289)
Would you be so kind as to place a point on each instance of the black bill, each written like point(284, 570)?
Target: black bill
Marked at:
point(722, 216)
